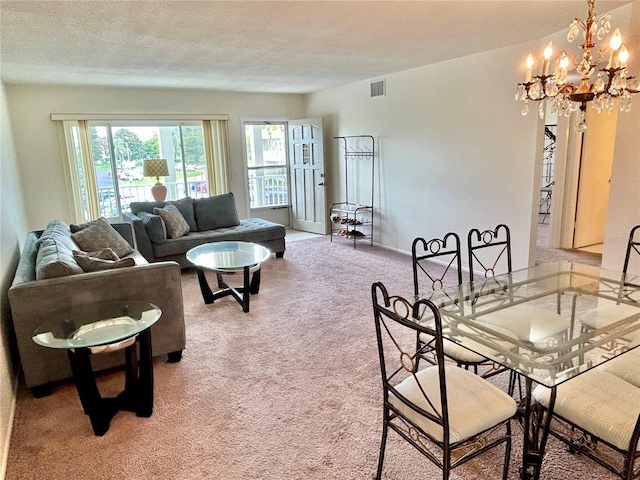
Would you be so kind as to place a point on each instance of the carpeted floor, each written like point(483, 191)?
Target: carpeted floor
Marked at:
point(290, 390)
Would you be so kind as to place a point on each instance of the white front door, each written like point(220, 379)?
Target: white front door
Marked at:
point(306, 166)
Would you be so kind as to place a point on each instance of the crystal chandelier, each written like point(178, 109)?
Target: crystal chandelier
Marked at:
point(610, 83)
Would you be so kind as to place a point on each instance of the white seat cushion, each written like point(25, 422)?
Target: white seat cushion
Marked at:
point(600, 317)
point(530, 324)
point(600, 403)
point(474, 404)
point(471, 354)
point(625, 366)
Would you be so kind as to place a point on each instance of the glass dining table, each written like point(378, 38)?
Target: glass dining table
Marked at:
point(476, 315)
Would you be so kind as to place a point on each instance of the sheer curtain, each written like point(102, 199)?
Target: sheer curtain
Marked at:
point(80, 172)
point(216, 147)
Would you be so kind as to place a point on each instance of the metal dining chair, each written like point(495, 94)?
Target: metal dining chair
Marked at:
point(429, 277)
point(597, 414)
point(489, 256)
point(447, 413)
point(604, 315)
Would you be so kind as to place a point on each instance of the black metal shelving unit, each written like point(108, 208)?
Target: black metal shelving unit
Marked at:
point(351, 219)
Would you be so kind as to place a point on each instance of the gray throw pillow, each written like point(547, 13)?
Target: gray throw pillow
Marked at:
point(103, 254)
point(185, 205)
point(155, 227)
point(176, 225)
point(92, 264)
point(216, 212)
point(102, 235)
point(76, 228)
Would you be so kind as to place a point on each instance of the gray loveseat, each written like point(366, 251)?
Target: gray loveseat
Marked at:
point(211, 219)
point(49, 282)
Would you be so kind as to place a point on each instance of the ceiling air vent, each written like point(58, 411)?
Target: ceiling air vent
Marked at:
point(377, 89)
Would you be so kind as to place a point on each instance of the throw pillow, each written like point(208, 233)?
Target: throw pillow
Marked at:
point(155, 227)
point(103, 254)
point(92, 264)
point(76, 228)
point(185, 205)
point(176, 225)
point(216, 212)
point(101, 235)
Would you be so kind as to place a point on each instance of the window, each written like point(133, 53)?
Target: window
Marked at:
point(106, 159)
point(267, 172)
point(118, 152)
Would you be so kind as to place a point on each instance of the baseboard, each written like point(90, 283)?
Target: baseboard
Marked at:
point(7, 440)
point(434, 260)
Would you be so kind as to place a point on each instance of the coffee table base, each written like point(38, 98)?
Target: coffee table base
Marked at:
point(250, 286)
point(138, 392)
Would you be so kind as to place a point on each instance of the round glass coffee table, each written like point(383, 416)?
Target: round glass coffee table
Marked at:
point(101, 327)
point(228, 258)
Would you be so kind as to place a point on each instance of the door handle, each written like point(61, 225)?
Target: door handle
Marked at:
point(321, 184)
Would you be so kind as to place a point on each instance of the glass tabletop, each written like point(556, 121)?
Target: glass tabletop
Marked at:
point(228, 255)
point(530, 320)
point(92, 325)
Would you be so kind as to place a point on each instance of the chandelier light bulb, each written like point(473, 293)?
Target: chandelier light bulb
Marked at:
point(564, 61)
point(616, 40)
point(623, 56)
point(548, 51)
point(529, 64)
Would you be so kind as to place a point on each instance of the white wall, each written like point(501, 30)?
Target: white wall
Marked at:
point(624, 200)
point(454, 151)
point(38, 141)
point(13, 228)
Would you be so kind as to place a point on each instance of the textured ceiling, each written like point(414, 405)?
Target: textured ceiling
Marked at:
point(259, 46)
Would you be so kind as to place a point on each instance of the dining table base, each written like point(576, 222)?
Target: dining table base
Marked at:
point(536, 424)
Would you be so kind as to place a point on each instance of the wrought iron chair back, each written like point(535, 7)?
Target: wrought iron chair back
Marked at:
point(425, 280)
point(410, 398)
point(633, 246)
point(490, 250)
point(423, 251)
point(602, 316)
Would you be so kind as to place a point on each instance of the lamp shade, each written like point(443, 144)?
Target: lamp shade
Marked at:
point(156, 167)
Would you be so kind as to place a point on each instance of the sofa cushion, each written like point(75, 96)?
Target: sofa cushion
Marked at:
point(93, 264)
point(176, 225)
point(254, 230)
point(216, 212)
point(55, 252)
point(101, 235)
point(55, 260)
point(137, 207)
point(154, 226)
point(185, 205)
point(57, 230)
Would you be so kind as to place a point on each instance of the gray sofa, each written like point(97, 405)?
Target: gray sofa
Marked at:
point(211, 219)
point(34, 299)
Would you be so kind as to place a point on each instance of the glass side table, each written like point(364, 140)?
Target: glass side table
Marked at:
point(85, 330)
point(228, 258)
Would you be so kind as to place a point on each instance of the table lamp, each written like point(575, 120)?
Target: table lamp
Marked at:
point(156, 167)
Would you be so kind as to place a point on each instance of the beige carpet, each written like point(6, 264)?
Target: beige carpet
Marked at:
point(290, 390)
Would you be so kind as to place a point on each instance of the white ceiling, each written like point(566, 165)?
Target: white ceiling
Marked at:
point(259, 46)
